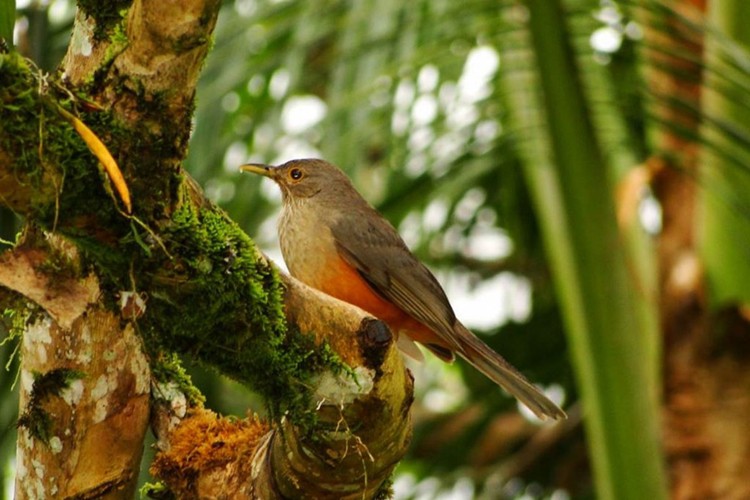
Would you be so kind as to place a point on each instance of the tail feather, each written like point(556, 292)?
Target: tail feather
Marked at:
point(490, 363)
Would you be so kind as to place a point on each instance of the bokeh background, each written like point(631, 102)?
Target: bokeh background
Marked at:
point(432, 108)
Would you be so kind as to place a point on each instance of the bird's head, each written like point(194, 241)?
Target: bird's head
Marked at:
point(301, 179)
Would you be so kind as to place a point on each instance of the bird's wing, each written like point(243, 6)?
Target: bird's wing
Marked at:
point(380, 256)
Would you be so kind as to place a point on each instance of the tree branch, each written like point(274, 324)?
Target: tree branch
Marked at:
point(361, 430)
point(178, 271)
point(84, 381)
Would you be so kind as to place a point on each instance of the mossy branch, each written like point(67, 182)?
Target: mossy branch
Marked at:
point(178, 270)
point(362, 425)
point(84, 380)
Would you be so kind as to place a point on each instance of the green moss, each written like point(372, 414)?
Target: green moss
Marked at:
point(105, 14)
point(241, 328)
point(168, 368)
point(34, 418)
point(12, 324)
point(67, 187)
point(385, 492)
point(118, 42)
point(48, 156)
point(14, 320)
point(159, 491)
point(119, 36)
point(57, 266)
point(20, 114)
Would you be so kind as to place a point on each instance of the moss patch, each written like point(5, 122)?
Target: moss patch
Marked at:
point(205, 443)
point(20, 112)
point(158, 491)
point(221, 302)
point(168, 368)
point(14, 317)
point(34, 418)
point(385, 492)
point(51, 165)
point(105, 14)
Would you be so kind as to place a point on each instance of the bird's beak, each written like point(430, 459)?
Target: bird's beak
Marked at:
point(258, 168)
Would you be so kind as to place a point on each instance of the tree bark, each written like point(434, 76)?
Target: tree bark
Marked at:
point(116, 291)
point(361, 431)
point(84, 385)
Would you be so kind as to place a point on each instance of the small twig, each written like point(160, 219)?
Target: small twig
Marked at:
point(359, 446)
point(151, 233)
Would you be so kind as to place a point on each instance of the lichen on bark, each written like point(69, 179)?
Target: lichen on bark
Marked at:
point(176, 276)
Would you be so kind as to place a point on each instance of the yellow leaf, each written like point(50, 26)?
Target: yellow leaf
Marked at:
point(98, 149)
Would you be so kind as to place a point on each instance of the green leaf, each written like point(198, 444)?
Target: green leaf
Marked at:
point(7, 20)
point(610, 328)
point(724, 224)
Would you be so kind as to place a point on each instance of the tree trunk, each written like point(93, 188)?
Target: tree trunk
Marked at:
point(123, 272)
point(84, 399)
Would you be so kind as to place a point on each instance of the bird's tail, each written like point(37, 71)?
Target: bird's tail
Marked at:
point(487, 361)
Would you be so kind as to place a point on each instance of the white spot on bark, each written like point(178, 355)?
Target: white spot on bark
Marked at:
point(36, 336)
point(81, 40)
point(85, 357)
point(27, 381)
point(39, 486)
point(38, 468)
point(85, 349)
point(35, 489)
point(28, 441)
point(39, 331)
point(104, 386)
point(100, 413)
point(100, 389)
point(72, 394)
point(176, 398)
point(85, 334)
point(139, 367)
point(132, 304)
point(55, 445)
point(179, 405)
point(21, 469)
point(345, 387)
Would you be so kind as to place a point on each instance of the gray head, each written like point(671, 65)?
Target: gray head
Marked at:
point(306, 179)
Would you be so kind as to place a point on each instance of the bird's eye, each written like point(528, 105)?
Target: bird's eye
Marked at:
point(295, 174)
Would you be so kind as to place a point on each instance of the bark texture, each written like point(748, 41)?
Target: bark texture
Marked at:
point(84, 385)
point(362, 426)
point(114, 292)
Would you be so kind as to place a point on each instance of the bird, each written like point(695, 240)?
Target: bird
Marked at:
point(333, 240)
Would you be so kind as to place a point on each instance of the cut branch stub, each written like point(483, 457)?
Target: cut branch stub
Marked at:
point(362, 427)
point(374, 340)
point(356, 447)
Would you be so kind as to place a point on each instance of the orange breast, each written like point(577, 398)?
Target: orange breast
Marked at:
point(342, 281)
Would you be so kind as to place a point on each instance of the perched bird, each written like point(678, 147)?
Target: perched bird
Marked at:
point(334, 241)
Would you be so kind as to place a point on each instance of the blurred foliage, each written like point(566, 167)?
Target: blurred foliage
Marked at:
point(405, 97)
point(410, 109)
